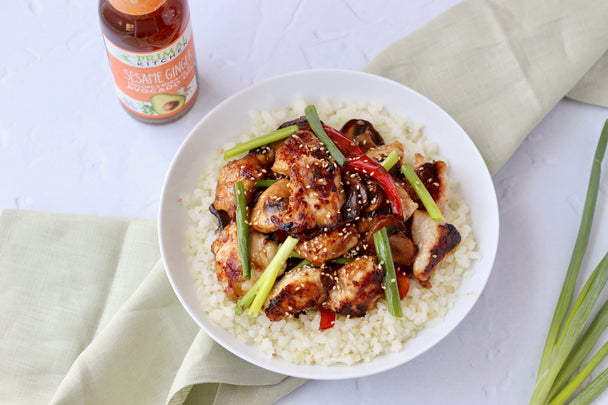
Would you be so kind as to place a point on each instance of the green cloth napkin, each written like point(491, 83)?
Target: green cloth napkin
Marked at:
point(87, 313)
point(88, 316)
point(498, 67)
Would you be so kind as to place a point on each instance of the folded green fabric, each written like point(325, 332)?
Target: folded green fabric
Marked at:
point(498, 67)
point(88, 315)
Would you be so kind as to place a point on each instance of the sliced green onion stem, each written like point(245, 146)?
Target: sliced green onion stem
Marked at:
point(563, 335)
point(581, 350)
point(261, 141)
point(423, 193)
point(591, 391)
point(390, 160)
point(342, 260)
point(242, 228)
point(598, 280)
point(315, 123)
point(264, 183)
point(270, 274)
point(391, 290)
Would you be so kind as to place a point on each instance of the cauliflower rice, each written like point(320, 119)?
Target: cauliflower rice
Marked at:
point(353, 340)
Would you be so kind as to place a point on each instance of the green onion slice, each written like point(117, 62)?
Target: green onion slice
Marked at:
point(315, 123)
point(271, 273)
point(242, 228)
point(264, 183)
point(423, 193)
point(390, 160)
point(391, 290)
point(261, 141)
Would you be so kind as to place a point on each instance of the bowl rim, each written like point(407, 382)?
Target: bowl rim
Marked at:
point(321, 372)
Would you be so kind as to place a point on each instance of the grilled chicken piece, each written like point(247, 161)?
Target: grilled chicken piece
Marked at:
point(315, 198)
point(380, 153)
point(435, 241)
point(300, 143)
point(228, 267)
point(433, 175)
point(271, 202)
point(358, 286)
point(248, 169)
point(299, 290)
point(328, 245)
point(408, 206)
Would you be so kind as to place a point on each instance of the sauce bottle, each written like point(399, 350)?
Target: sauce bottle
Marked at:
point(151, 52)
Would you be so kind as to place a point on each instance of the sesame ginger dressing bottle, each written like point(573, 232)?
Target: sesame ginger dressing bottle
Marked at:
point(151, 52)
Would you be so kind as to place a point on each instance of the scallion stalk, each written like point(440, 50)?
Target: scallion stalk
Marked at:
point(261, 141)
point(422, 192)
point(271, 273)
point(316, 126)
point(591, 391)
point(264, 183)
point(242, 228)
point(391, 290)
point(563, 332)
point(390, 160)
point(581, 350)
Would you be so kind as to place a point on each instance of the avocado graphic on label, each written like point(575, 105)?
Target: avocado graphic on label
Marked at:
point(166, 103)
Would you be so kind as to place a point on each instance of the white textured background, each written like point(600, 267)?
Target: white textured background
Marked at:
point(66, 145)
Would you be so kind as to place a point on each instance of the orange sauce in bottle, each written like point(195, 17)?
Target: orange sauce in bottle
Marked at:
point(151, 52)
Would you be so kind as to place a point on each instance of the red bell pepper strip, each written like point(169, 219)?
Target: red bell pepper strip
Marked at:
point(360, 163)
point(328, 319)
point(403, 284)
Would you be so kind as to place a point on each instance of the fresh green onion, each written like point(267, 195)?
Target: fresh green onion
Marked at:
point(423, 193)
point(242, 228)
point(591, 391)
point(315, 123)
point(271, 273)
point(581, 350)
point(391, 290)
point(390, 160)
point(342, 260)
point(264, 183)
point(296, 255)
point(248, 298)
point(261, 141)
point(571, 332)
point(563, 332)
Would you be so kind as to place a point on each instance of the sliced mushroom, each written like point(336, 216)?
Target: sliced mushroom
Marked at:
point(363, 133)
point(375, 196)
point(222, 216)
point(403, 249)
point(270, 203)
point(301, 122)
point(356, 196)
point(435, 241)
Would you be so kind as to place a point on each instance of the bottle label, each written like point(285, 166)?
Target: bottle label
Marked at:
point(155, 84)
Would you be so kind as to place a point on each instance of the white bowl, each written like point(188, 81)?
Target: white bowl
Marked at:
point(232, 117)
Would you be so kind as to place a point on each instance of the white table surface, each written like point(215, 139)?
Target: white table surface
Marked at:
point(66, 145)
